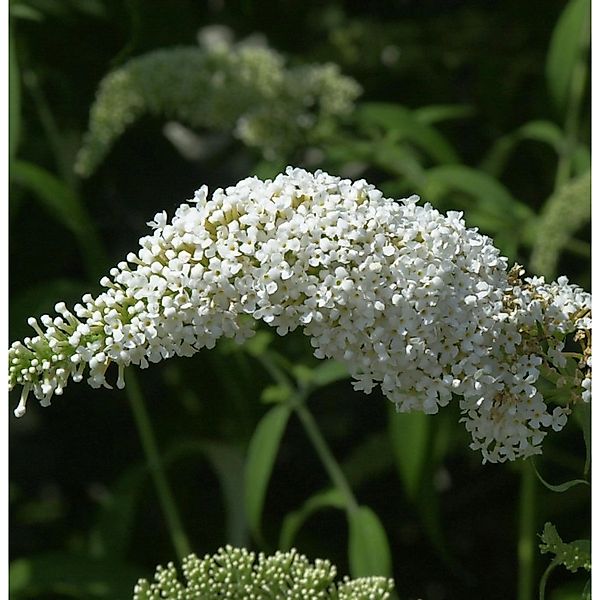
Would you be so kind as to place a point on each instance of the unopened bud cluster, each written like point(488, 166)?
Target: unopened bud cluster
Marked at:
point(410, 299)
point(238, 574)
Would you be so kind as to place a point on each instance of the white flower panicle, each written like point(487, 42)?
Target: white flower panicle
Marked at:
point(246, 88)
point(409, 299)
point(238, 574)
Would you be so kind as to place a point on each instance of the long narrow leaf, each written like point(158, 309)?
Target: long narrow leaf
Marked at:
point(396, 119)
point(331, 498)
point(409, 436)
point(569, 39)
point(368, 546)
point(262, 452)
point(14, 98)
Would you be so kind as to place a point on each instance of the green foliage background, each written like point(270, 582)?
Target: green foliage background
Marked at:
point(477, 106)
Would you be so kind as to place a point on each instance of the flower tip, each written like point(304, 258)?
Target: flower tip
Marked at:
point(20, 410)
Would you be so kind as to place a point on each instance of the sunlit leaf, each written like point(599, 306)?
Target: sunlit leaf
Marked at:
point(331, 498)
point(262, 452)
point(368, 546)
point(409, 436)
point(569, 40)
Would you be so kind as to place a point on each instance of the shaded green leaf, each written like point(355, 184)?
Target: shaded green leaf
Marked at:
point(442, 112)
point(562, 215)
point(368, 548)
point(409, 435)
point(404, 125)
point(583, 414)
point(14, 98)
point(328, 372)
point(331, 498)
point(539, 131)
point(569, 40)
point(262, 452)
point(561, 487)
point(63, 574)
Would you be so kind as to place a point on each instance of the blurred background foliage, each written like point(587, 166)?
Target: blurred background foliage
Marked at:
point(481, 106)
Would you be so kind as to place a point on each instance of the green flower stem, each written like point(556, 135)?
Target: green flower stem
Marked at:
point(320, 445)
point(297, 398)
point(527, 547)
point(163, 490)
point(95, 258)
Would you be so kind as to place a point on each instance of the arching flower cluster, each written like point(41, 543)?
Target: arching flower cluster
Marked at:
point(245, 88)
point(409, 299)
point(236, 573)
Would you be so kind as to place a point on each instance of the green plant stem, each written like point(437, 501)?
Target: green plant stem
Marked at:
point(163, 490)
point(94, 254)
point(527, 548)
point(329, 462)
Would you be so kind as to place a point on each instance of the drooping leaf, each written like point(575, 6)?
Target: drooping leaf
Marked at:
point(409, 435)
point(570, 40)
point(368, 547)
point(583, 414)
point(404, 125)
point(330, 498)
point(561, 487)
point(442, 112)
point(545, 132)
point(262, 452)
point(563, 214)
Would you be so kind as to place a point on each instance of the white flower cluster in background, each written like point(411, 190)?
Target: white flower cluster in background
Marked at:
point(409, 299)
point(236, 573)
point(245, 88)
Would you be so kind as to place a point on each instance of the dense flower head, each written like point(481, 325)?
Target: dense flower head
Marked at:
point(409, 299)
point(239, 574)
point(246, 88)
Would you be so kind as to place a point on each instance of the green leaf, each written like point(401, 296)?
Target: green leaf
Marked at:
point(573, 555)
point(583, 414)
point(262, 452)
point(493, 208)
point(53, 194)
point(14, 98)
point(368, 547)
point(330, 498)
point(404, 125)
point(562, 215)
point(60, 574)
point(328, 372)
point(570, 40)
point(409, 435)
point(435, 113)
point(545, 132)
point(562, 487)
